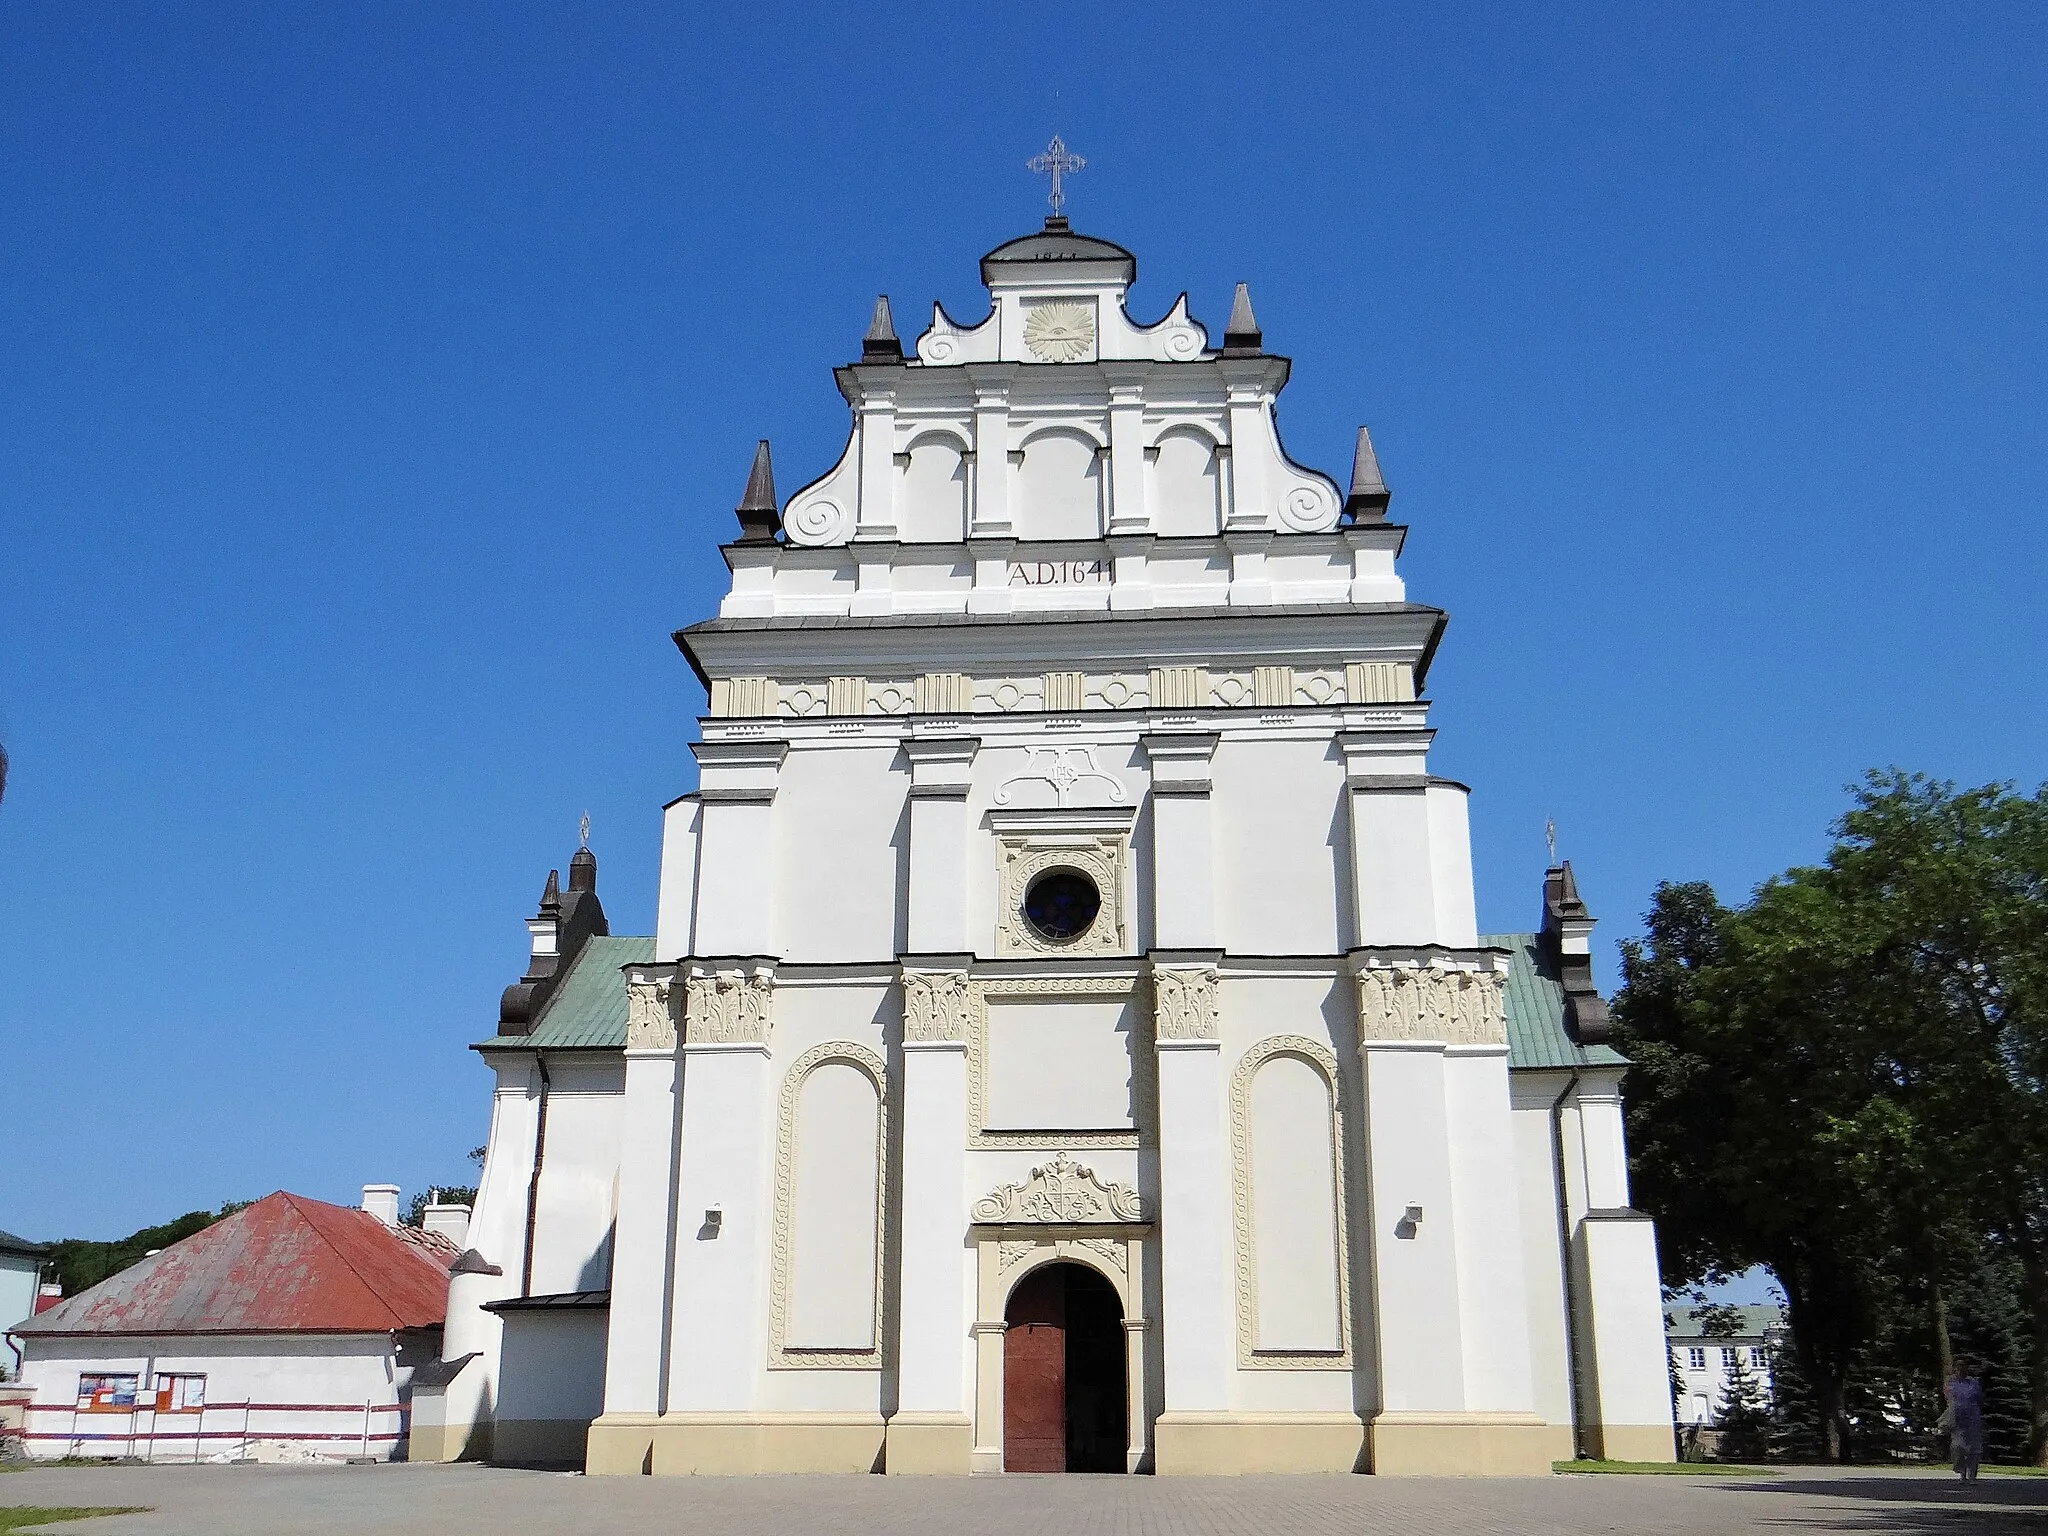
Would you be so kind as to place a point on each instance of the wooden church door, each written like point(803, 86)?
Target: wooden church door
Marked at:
point(1035, 1373)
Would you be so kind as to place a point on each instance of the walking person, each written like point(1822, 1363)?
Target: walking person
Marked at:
point(1965, 1394)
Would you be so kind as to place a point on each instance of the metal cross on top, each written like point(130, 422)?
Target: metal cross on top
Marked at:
point(1056, 162)
point(584, 828)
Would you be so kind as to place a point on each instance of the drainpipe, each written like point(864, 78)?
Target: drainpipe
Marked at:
point(1564, 1244)
point(540, 1152)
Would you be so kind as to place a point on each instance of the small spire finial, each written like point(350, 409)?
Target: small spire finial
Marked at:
point(583, 829)
point(1056, 163)
point(1369, 495)
point(1550, 837)
point(1241, 337)
point(759, 522)
point(881, 345)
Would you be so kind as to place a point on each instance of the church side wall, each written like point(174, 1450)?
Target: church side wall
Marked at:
point(1544, 1255)
point(572, 1241)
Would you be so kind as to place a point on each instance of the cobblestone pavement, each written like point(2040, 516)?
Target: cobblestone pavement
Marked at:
point(460, 1500)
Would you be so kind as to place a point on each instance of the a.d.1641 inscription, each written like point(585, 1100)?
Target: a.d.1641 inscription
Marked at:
point(1058, 573)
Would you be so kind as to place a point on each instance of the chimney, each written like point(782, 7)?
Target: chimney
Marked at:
point(381, 1201)
point(451, 1221)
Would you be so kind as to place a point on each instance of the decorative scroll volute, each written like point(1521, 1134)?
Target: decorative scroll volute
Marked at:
point(1062, 1192)
point(1184, 1003)
point(650, 1020)
point(934, 1006)
point(1457, 1007)
point(728, 1008)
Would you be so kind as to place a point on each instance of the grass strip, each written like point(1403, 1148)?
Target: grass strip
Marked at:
point(20, 1517)
point(1663, 1468)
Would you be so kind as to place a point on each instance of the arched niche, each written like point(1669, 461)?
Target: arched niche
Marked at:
point(1293, 1302)
point(1184, 484)
point(826, 1274)
point(1059, 486)
point(931, 490)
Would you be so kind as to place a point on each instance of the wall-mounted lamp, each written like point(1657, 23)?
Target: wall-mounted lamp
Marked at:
point(1413, 1215)
point(714, 1218)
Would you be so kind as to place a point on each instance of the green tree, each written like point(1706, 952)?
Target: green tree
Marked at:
point(1843, 1081)
point(445, 1194)
point(1743, 1414)
point(78, 1263)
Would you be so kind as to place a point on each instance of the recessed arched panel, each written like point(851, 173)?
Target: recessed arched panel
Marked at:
point(931, 494)
point(1292, 1299)
point(1184, 485)
point(828, 1203)
point(1059, 487)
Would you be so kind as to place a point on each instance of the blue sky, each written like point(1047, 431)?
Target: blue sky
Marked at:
point(376, 381)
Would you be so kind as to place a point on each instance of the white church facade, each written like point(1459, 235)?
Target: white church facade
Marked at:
point(1066, 1042)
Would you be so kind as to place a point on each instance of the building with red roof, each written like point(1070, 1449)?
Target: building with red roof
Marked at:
point(288, 1330)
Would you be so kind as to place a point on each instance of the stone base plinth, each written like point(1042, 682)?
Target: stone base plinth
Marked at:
point(1231, 1444)
point(620, 1445)
point(1466, 1445)
point(929, 1443)
point(1631, 1442)
point(735, 1444)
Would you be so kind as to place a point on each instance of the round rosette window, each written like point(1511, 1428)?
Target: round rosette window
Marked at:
point(1061, 905)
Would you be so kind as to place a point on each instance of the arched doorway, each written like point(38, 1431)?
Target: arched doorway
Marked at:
point(1064, 1388)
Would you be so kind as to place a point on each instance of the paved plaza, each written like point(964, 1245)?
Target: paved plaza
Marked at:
point(488, 1501)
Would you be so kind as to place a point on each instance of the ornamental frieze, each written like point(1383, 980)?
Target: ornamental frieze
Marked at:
point(1184, 1003)
point(728, 1008)
point(650, 1025)
point(1062, 1192)
point(934, 1006)
point(1457, 1007)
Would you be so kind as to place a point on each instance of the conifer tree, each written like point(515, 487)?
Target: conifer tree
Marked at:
point(1795, 1433)
point(1744, 1412)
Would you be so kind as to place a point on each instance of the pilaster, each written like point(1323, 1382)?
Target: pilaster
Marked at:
point(989, 517)
point(723, 1213)
point(1183, 856)
point(876, 412)
point(932, 1430)
point(941, 774)
point(735, 848)
point(1127, 510)
point(1198, 1329)
point(1392, 871)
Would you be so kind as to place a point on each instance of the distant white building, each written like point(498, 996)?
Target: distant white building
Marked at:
point(290, 1329)
point(1067, 1042)
point(1702, 1366)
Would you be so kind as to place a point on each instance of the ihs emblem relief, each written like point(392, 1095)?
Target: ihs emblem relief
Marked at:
point(1059, 332)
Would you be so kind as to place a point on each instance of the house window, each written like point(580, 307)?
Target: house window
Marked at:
point(1756, 1356)
point(1728, 1359)
point(107, 1393)
point(180, 1392)
point(1696, 1358)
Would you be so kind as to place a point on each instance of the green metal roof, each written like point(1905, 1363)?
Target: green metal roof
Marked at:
point(588, 1009)
point(1537, 1036)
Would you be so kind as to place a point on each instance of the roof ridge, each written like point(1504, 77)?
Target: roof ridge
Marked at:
point(361, 1279)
